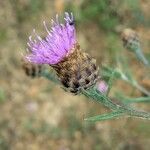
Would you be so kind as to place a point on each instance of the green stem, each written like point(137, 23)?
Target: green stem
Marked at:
point(106, 116)
point(135, 100)
point(141, 57)
point(100, 99)
point(97, 96)
point(49, 76)
point(134, 84)
point(140, 88)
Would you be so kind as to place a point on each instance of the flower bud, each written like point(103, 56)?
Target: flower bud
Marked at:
point(130, 39)
point(30, 69)
point(102, 86)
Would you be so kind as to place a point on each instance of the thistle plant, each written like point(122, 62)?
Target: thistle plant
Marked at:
point(75, 70)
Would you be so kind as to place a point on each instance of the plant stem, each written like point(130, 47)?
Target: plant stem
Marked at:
point(97, 96)
point(134, 84)
point(49, 76)
point(118, 110)
point(128, 100)
point(106, 116)
point(142, 89)
point(141, 57)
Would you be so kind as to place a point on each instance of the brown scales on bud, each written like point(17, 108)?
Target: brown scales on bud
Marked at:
point(130, 39)
point(30, 69)
point(77, 71)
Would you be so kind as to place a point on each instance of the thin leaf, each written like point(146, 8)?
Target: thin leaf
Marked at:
point(106, 116)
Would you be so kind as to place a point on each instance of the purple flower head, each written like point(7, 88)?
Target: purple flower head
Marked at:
point(56, 45)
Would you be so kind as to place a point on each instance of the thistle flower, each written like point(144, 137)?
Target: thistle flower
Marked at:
point(76, 70)
point(56, 45)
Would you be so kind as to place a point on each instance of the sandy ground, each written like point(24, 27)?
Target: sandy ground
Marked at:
point(37, 114)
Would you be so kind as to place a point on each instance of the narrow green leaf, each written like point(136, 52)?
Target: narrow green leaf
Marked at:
point(136, 100)
point(106, 116)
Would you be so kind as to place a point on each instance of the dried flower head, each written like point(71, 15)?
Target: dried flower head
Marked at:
point(76, 70)
point(130, 39)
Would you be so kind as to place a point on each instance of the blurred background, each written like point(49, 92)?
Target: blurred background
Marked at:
point(35, 113)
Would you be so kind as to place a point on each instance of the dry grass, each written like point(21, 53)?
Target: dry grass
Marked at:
point(35, 113)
